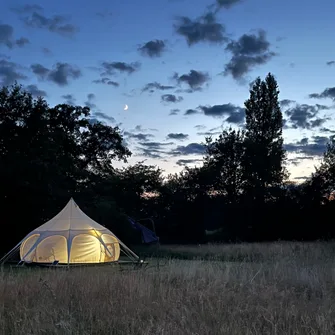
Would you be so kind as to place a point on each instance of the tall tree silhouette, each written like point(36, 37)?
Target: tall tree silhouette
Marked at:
point(264, 158)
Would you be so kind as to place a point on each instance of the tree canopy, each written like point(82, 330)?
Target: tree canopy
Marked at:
point(49, 154)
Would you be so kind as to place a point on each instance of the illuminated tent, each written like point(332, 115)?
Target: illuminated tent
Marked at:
point(71, 237)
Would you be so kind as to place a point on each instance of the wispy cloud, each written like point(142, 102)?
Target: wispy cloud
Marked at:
point(61, 73)
point(154, 48)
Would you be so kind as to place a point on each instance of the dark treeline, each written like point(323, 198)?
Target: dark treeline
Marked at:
point(240, 193)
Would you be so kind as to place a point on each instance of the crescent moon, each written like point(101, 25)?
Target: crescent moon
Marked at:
point(125, 107)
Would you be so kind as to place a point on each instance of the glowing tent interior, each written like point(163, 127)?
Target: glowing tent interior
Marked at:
point(71, 237)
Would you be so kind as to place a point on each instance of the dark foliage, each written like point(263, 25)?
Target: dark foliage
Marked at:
point(240, 193)
point(264, 155)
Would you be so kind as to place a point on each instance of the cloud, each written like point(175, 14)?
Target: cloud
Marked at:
point(56, 24)
point(190, 149)
point(330, 63)
point(10, 72)
point(46, 51)
point(237, 117)
point(194, 79)
point(104, 116)
point(153, 149)
point(26, 9)
point(151, 87)
point(305, 116)
point(3, 56)
point(90, 101)
point(202, 29)
point(297, 160)
point(33, 90)
point(301, 178)
point(151, 153)
point(106, 81)
point(200, 127)
point(154, 48)
point(327, 130)
point(174, 111)
point(211, 132)
point(227, 3)
point(159, 149)
point(60, 74)
point(21, 42)
point(70, 99)
point(7, 39)
point(138, 136)
point(248, 52)
point(111, 68)
point(234, 113)
point(184, 162)
point(104, 15)
point(328, 93)
point(139, 128)
point(155, 145)
point(250, 44)
point(177, 136)
point(286, 102)
point(191, 112)
point(130, 94)
point(314, 148)
point(171, 98)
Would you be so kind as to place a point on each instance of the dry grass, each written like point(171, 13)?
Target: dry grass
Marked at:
point(281, 288)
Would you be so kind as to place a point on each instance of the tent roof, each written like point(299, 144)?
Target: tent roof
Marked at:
point(71, 217)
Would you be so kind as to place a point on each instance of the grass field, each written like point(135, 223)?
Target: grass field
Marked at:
point(279, 288)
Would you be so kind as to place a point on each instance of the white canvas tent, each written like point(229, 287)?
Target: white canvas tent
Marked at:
point(71, 237)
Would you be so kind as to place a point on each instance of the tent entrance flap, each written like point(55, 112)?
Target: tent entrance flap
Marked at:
point(148, 236)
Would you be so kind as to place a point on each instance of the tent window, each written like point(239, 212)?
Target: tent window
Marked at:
point(52, 248)
point(27, 245)
point(85, 248)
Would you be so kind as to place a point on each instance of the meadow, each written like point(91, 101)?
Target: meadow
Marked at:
point(274, 288)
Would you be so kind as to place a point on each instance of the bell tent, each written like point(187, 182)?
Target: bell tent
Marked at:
point(70, 238)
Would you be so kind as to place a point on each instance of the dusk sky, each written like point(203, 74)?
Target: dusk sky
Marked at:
point(183, 67)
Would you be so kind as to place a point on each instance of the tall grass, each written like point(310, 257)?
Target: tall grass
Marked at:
point(281, 288)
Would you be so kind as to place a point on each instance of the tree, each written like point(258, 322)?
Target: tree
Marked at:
point(47, 154)
point(182, 200)
point(327, 167)
point(321, 185)
point(141, 179)
point(138, 188)
point(223, 162)
point(264, 159)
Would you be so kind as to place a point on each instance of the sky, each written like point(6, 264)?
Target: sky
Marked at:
point(182, 67)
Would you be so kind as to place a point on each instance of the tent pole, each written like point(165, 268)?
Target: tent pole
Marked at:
point(103, 243)
point(126, 248)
